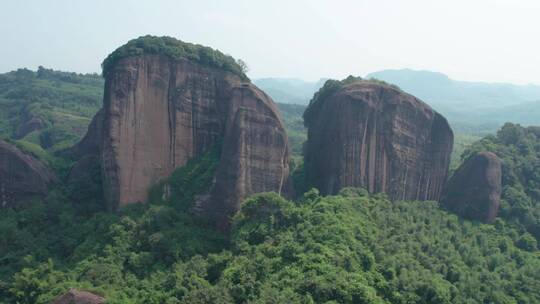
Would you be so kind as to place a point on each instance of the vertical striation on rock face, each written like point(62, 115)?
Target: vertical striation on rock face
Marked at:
point(474, 191)
point(159, 112)
point(22, 177)
point(371, 135)
point(254, 155)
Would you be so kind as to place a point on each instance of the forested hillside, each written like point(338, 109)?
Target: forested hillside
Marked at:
point(519, 150)
point(47, 109)
point(350, 248)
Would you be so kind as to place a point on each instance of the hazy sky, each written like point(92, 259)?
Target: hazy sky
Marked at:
point(487, 40)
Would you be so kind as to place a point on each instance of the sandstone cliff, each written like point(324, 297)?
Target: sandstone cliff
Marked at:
point(22, 177)
point(159, 112)
point(372, 135)
point(474, 191)
point(255, 155)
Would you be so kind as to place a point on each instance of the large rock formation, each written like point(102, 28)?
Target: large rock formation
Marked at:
point(22, 177)
point(74, 296)
point(159, 112)
point(372, 135)
point(474, 191)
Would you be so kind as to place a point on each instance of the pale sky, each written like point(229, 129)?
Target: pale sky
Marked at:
point(481, 40)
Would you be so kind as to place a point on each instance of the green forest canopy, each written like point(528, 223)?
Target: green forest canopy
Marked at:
point(349, 248)
point(519, 150)
point(176, 50)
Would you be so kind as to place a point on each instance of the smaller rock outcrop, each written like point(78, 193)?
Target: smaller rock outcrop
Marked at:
point(22, 177)
point(474, 191)
point(74, 296)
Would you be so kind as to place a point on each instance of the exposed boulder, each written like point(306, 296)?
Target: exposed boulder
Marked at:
point(159, 112)
point(474, 191)
point(372, 135)
point(22, 177)
point(74, 296)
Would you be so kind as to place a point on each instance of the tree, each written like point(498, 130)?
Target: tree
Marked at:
point(243, 66)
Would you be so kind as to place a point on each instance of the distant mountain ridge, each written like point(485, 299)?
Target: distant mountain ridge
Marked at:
point(471, 103)
point(290, 90)
point(477, 107)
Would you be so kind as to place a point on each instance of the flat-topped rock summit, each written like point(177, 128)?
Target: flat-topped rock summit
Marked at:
point(173, 101)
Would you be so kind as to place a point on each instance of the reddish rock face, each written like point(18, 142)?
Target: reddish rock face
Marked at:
point(159, 113)
point(474, 191)
point(380, 138)
point(254, 155)
point(74, 296)
point(22, 177)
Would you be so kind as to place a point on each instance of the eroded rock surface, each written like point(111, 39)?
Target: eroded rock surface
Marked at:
point(474, 191)
point(372, 135)
point(254, 155)
point(158, 113)
point(22, 177)
point(74, 296)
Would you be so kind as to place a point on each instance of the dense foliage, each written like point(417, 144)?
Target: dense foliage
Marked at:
point(176, 50)
point(69, 233)
point(296, 131)
point(350, 248)
point(519, 150)
point(62, 103)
